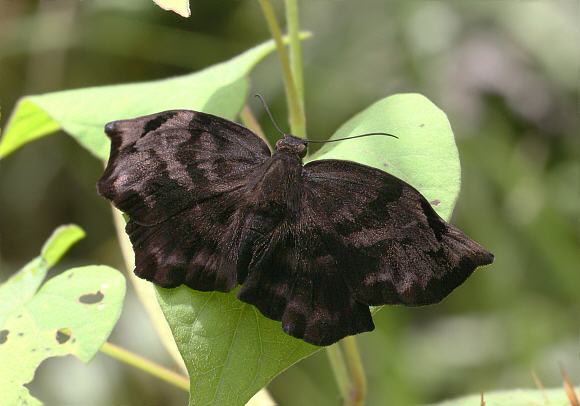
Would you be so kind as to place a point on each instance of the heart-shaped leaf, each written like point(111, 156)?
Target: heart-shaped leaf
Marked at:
point(231, 351)
point(424, 155)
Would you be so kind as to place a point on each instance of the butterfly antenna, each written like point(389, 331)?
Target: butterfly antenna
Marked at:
point(270, 114)
point(350, 138)
point(319, 141)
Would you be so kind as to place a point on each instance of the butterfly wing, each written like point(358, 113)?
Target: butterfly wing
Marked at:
point(358, 237)
point(179, 176)
point(293, 278)
point(397, 249)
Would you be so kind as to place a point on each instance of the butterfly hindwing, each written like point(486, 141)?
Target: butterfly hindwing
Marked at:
point(357, 237)
point(293, 278)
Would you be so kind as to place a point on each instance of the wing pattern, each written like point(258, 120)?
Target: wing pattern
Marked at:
point(180, 175)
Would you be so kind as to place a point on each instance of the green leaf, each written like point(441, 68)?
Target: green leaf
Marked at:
point(514, 397)
point(424, 155)
point(231, 351)
point(72, 313)
point(30, 123)
point(59, 242)
point(24, 284)
point(219, 336)
point(220, 89)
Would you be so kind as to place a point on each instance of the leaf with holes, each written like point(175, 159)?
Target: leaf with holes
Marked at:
point(72, 313)
point(24, 284)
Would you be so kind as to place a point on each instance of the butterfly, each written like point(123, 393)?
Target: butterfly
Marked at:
point(312, 245)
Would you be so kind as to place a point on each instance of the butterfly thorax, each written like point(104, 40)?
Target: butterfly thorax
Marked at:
point(273, 194)
point(274, 189)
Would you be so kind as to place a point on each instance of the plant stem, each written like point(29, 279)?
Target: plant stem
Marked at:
point(145, 365)
point(358, 390)
point(293, 82)
point(295, 53)
point(296, 119)
point(339, 369)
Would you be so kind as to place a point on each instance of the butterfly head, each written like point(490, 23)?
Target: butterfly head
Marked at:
point(293, 145)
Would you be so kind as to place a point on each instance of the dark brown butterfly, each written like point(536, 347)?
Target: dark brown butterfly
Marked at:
point(312, 245)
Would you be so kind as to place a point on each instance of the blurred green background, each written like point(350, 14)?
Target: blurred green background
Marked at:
point(506, 74)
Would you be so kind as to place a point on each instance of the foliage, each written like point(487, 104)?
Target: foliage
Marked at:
point(216, 349)
point(72, 313)
point(82, 112)
point(493, 68)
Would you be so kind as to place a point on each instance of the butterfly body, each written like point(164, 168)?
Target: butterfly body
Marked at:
point(312, 245)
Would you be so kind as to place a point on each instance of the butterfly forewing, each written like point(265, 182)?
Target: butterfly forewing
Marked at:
point(396, 249)
point(163, 163)
point(180, 176)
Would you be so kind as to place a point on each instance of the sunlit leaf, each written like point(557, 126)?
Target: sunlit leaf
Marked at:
point(220, 89)
point(181, 7)
point(424, 155)
point(72, 313)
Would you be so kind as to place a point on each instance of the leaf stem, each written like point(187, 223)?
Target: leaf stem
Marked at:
point(358, 390)
point(339, 369)
point(296, 119)
point(145, 365)
point(250, 121)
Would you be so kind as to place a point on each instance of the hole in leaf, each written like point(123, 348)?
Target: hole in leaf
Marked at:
point(435, 202)
point(4, 336)
point(63, 335)
point(91, 298)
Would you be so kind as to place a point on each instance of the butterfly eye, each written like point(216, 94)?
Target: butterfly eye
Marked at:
point(301, 150)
